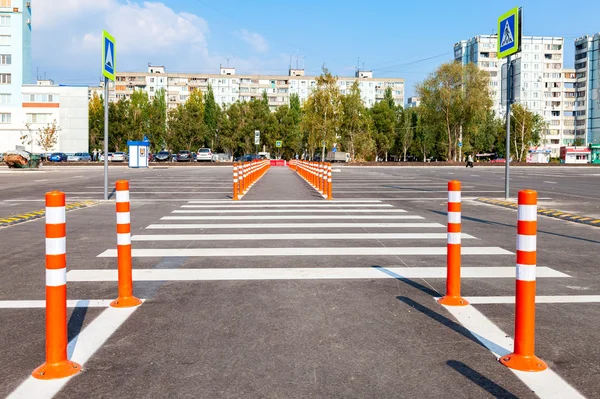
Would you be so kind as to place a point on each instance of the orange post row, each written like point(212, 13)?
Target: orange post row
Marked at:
point(245, 175)
point(57, 365)
point(126, 298)
point(236, 190)
point(523, 358)
point(317, 174)
point(452, 297)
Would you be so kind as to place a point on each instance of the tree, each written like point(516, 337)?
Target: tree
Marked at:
point(384, 120)
point(157, 121)
point(526, 128)
point(138, 112)
point(211, 113)
point(356, 126)
point(96, 121)
point(48, 136)
point(426, 133)
point(406, 124)
point(323, 112)
point(456, 98)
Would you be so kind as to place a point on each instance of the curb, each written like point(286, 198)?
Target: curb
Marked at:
point(26, 217)
point(590, 221)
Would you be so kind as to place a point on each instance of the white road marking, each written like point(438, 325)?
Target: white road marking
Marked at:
point(538, 299)
point(322, 205)
point(343, 201)
point(550, 182)
point(300, 273)
point(40, 180)
point(293, 217)
point(545, 384)
point(291, 225)
point(302, 251)
point(169, 192)
point(221, 211)
point(71, 303)
point(309, 236)
point(400, 191)
point(87, 343)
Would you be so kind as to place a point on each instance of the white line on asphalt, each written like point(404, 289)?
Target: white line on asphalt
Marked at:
point(41, 180)
point(87, 343)
point(302, 251)
point(545, 384)
point(71, 303)
point(301, 273)
point(323, 205)
point(309, 236)
point(220, 211)
point(475, 300)
point(400, 191)
point(191, 185)
point(292, 225)
point(550, 182)
point(169, 192)
point(293, 217)
point(344, 201)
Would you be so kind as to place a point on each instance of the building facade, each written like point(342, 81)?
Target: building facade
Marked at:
point(27, 105)
point(228, 87)
point(541, 86)
point(413, 102)
point(587, 100)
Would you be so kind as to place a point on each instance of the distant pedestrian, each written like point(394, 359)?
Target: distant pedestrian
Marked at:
point(470, 161)
point(94, 155)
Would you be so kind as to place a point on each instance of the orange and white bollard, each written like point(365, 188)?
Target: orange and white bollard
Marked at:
point(453, 297)
point(523, 358)
point(126, 298)
point(236, 188)
point(57, 365)
point(329, 195)
point(325, 189)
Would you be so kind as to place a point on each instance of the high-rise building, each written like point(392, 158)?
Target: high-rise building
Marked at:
point(27, 105)
point(541, 83)
point(228, 87)
point(587, 100)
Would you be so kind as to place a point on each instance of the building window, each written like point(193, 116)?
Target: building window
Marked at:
point(5, 3)
point(5, 59)
point(5, 78)
point(4, 98)
point(4, 40)
point(5, 20)
point(5, 118)
point(38, 118)
point(40, 98)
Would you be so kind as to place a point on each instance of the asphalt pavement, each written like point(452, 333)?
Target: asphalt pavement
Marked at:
point(285, 294)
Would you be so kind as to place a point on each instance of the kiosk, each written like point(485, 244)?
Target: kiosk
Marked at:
point(574, 155)
point(595, 153)
point(138, 153)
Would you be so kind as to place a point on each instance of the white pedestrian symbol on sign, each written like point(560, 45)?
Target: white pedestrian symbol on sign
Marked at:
point(507, 36)
point(109, 57)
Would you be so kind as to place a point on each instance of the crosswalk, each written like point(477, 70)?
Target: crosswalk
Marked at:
point(363, 232)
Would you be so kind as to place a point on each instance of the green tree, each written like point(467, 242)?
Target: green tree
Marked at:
point(157, 121)
point(456, 98)
point(356, 126)
point(96, 121)
point(526, 129)
point(211, 113)
point(384, 120)
point(406, 124)
point(426, 134)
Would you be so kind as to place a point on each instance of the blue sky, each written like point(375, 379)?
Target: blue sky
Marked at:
point(406, 39)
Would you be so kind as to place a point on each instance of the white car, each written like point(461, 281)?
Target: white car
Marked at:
point(118, 157)
point(79, 157)
point(204, 154)
point(110, 156)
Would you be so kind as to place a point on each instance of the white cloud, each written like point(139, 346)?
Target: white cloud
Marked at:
point(256, 41)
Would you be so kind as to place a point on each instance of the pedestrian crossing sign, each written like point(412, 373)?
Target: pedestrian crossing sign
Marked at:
point(509, 33)
point(108, 55)
point(278, 143)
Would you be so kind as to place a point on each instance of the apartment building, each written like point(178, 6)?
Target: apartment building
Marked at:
point(27, 105)
point(229, 87)
point(541, 83)
point(413, 102)
point(587, 95)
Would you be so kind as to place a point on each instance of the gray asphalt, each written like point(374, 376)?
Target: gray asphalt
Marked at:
point(302, 338)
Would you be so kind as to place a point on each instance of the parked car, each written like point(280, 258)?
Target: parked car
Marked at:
point(1, 157)
point(184, 156)
point(247, 158)
point(58, 157)
point(498, 160)
point(162, 156)
point(80, 157)
point(119, 157)
point(204, 154)
point(110, 156)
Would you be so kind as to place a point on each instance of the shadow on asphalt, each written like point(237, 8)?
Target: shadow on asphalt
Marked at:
point(479, 340)
point(74, 327)
point(490, 386)
point(414, 284)
point(472, 219)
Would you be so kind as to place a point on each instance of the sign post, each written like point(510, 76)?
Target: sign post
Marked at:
point(257, 140)
point(108, 70)
point(278, 145)
point(509, 42)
